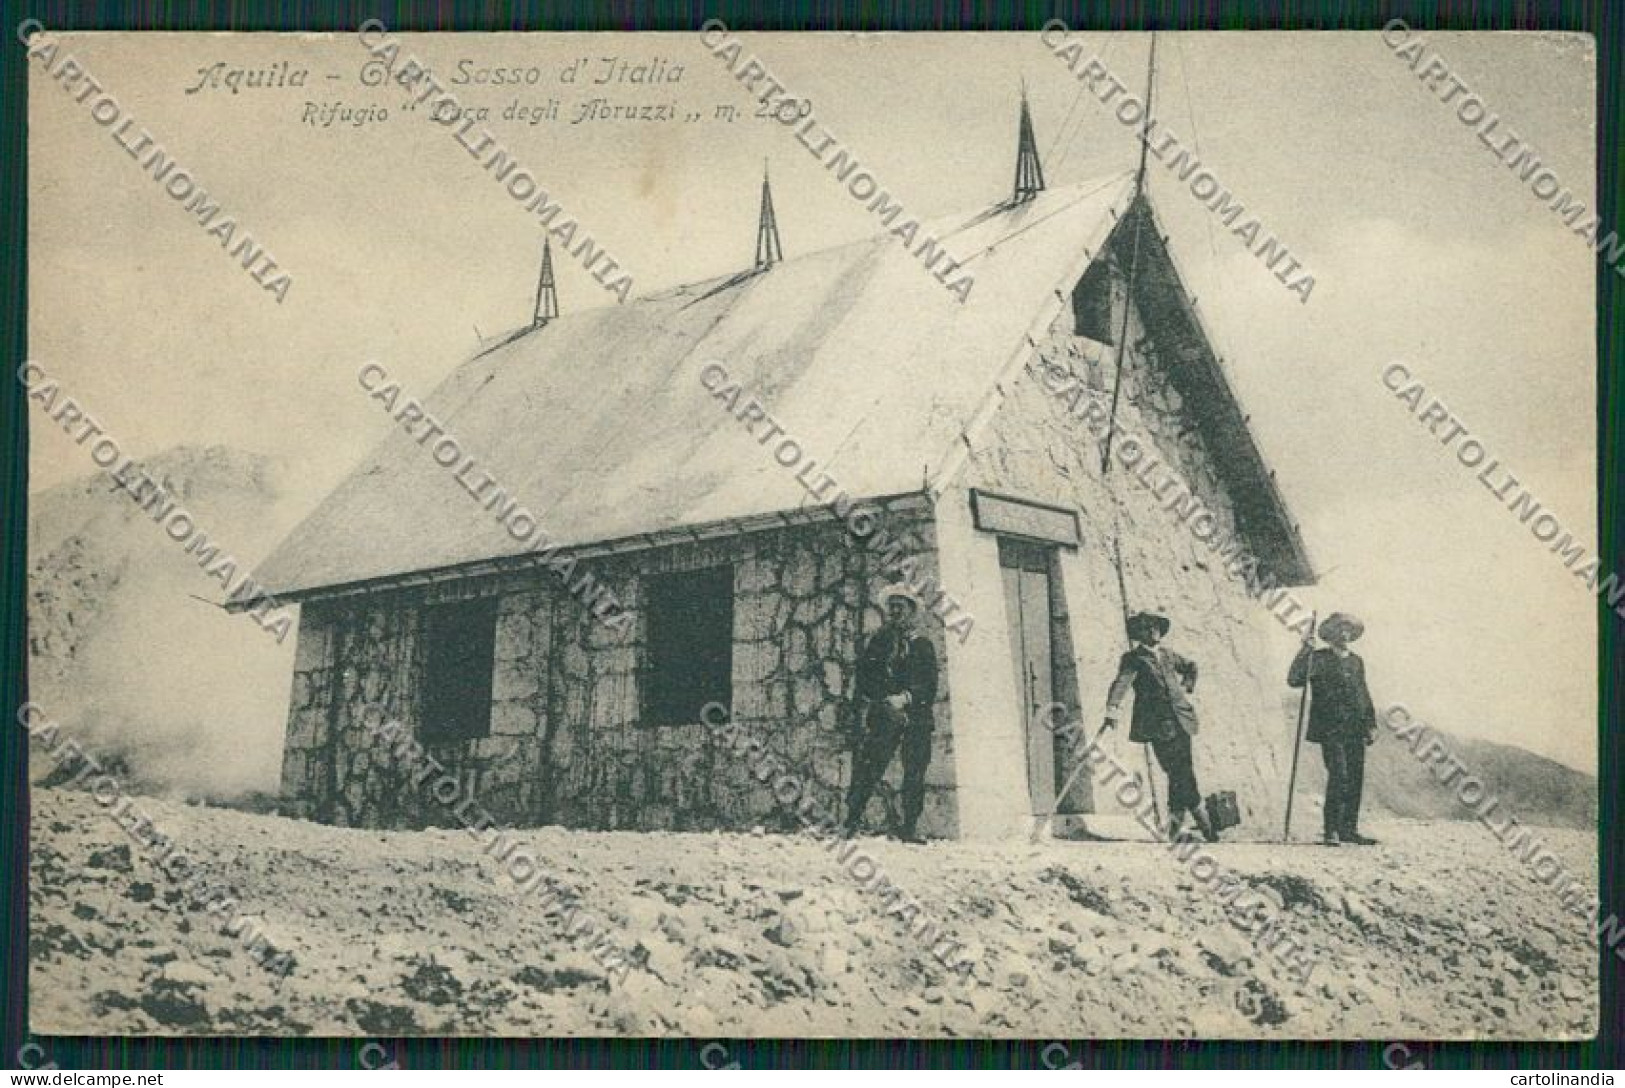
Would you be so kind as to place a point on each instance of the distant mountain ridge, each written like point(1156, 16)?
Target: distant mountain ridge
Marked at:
point(1535, 789)
point(125, 650)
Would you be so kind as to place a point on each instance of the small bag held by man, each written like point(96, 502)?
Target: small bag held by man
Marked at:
point(1223, 812)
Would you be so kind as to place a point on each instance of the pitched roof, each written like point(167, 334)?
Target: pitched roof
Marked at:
point(599, 425)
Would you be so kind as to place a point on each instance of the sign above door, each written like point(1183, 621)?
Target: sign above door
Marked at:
point(1021, 517)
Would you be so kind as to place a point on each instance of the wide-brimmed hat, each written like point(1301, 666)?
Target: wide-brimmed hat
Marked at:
point(1341, 622)
point(897, 591)
point(1141, 622)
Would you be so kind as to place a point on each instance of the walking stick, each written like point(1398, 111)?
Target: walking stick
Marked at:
point(1151, 784)
point(1297, 738)
point(1042, 823)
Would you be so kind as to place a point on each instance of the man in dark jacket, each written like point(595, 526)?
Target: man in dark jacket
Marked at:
point(1342, 720)
point(1163, 715)
point(897, 684)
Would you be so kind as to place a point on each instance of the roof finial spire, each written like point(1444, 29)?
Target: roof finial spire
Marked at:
point(1029, 171)
point(768, 250)
point(547, 295)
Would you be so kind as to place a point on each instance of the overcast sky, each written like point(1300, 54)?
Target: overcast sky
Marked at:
point(1423, 248)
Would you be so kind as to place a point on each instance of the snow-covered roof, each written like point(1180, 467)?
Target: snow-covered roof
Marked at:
point(598, 422)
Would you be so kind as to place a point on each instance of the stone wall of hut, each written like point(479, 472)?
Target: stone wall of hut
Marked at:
point(567, 742)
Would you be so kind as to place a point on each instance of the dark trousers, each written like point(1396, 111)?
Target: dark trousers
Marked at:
point(1174, 754)
point(1345, 781)
point(885, 730)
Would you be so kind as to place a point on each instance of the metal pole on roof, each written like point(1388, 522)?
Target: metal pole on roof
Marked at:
point(547, 292)
point(768, 250)
point(1029, 170)
point(1117, 386)
point(1134, 258)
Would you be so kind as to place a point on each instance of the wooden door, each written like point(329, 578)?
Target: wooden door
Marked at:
point(1027, 607)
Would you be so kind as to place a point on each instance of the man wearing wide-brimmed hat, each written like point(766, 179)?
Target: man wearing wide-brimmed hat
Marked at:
point(896, 689)
point(1342, 720)
point(1163, 715)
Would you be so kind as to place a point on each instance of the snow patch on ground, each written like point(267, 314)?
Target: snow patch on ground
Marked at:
point(1437, 933)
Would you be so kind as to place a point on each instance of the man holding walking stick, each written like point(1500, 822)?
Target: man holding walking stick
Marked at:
point(1163, 715)
point(1342, 720)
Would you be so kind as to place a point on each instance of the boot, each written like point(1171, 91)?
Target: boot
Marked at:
point(850, 825)
point(1204, 824)
point(1176, 824)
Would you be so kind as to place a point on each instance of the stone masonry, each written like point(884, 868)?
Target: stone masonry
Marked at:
point(566, 743)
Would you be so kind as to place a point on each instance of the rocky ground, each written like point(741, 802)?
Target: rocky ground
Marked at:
point(1435, 934)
